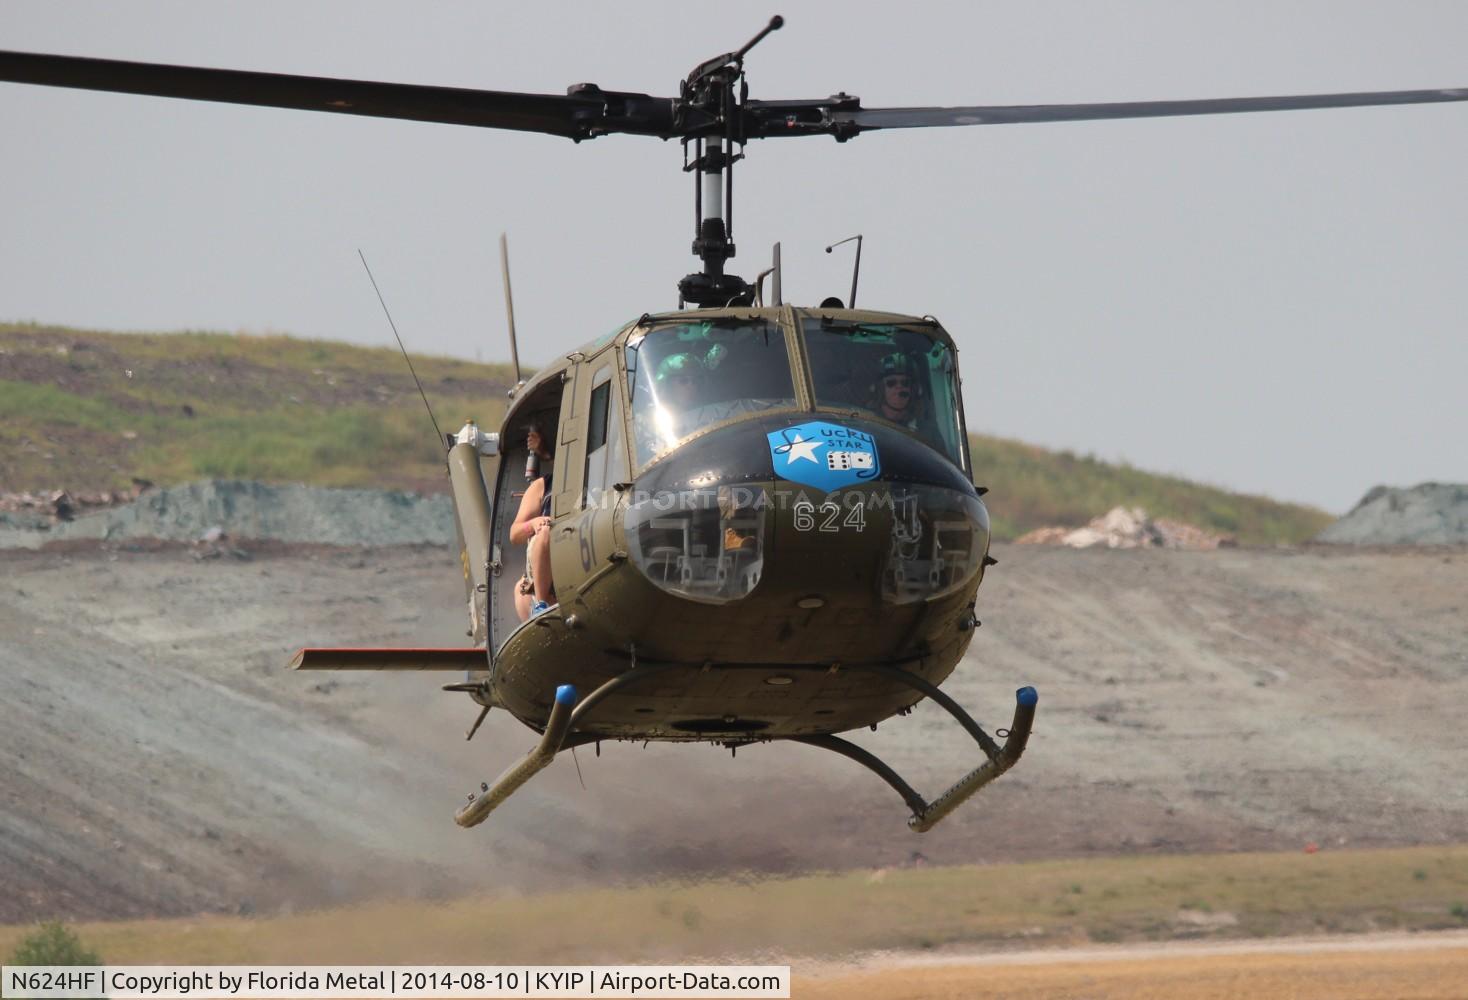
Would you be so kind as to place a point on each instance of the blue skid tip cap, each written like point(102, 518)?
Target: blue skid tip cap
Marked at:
point(566, 694)
point(1027, 696)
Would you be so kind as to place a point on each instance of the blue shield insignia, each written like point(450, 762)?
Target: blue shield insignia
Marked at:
point(824, 456)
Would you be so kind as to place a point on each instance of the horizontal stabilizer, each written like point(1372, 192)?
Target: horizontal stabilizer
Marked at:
point(472, 658)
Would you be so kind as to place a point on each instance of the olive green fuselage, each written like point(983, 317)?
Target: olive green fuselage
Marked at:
point(776, 549)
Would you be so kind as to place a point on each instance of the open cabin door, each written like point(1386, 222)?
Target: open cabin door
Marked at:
point(585, 410)
point(542, 407)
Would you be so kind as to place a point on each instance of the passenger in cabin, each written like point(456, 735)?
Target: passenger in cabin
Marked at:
point(536, 591)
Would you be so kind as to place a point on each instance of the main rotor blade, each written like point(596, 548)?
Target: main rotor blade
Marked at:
point(587, 111)
point(577, 116)
point(865, 119)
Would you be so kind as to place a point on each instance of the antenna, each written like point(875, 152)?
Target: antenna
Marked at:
point(775, 281)
point(510, 311)
point(772, 272)
point(759, 285)
point(394, 326)
point(855, 268)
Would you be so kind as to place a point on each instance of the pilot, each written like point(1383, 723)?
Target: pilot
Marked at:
point(897, 391)
point(680, 378)
point(679, 383)
point(536, 591)
point(685, 395)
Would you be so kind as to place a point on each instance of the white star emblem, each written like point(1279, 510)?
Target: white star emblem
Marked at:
point(801, 448)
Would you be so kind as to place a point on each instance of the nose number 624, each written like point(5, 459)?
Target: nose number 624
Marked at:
point(828, 516)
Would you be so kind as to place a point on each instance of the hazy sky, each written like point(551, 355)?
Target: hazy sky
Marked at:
point(1274, 303)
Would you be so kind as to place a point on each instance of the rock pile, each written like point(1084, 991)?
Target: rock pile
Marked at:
point(1429, 514)
point(51, 506)
point(1128, 528)
point(212, 510)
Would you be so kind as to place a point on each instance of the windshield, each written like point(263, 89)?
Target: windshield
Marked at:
point(903, 375)
point(686, 377)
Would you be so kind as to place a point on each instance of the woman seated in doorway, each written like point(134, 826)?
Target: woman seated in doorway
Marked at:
point(535, 592)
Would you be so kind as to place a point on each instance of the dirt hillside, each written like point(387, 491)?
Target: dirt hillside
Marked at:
point(161, 760)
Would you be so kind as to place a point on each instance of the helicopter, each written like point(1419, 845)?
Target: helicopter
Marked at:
point(748, 543)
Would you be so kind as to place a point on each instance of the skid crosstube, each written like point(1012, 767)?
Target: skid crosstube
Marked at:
point(565, 713)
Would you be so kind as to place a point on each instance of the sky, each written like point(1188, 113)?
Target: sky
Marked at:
point(1274, 303)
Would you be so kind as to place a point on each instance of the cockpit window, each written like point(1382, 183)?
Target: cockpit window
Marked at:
point(900, 374)
point(683, 378)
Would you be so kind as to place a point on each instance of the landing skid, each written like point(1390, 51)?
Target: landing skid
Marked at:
point(566, 713)
point(926, 815)
point(551, 742)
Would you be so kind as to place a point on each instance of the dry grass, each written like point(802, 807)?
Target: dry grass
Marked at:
point(1438, 974)
point(1028, 905)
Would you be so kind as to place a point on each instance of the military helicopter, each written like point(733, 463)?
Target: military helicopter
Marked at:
point(760, 519)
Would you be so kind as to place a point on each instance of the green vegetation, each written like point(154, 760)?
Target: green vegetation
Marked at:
point(1137, 898)
point(52, 944)
point(1035, 488)
point(91, 411)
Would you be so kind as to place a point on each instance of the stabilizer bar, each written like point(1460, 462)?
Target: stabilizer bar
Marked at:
point(480, 806)
point(463, 660)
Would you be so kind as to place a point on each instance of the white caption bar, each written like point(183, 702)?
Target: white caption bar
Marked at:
point(365, 982)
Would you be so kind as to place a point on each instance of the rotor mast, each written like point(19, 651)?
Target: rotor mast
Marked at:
point(716, 93)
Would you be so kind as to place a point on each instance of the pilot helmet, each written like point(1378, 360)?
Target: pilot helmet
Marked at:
point(683, 364)
point(897, 363)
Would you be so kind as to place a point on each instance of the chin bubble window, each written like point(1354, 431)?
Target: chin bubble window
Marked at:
point(706, 545)
point(939, 539)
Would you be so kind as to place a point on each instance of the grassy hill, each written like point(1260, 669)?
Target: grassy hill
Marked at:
point(90, 411)
point(1032, 487)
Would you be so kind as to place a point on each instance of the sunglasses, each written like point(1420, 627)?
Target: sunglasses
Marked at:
point(897, 382)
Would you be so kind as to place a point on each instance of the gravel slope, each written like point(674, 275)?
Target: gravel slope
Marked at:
point(1427, 514)
point(247, 509)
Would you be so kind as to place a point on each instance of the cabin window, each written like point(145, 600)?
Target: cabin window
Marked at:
point(596, 435)
point(902, 375)
point(684, 378)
